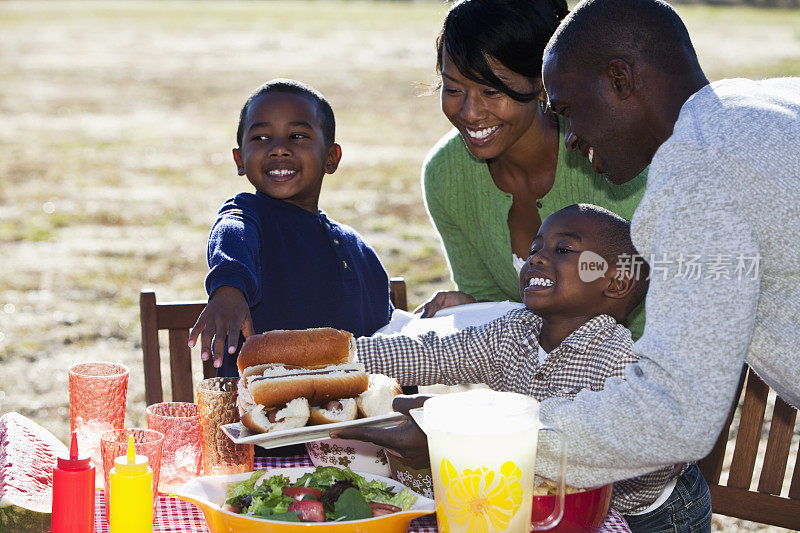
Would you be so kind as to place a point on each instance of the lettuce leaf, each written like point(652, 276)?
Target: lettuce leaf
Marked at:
point(243, 488)
point(268, 505)
point(403, 499)
point(267, 498)
point(352, 505)
point(325, 476)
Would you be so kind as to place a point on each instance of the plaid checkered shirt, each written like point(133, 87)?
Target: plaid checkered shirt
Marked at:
point(503, 354)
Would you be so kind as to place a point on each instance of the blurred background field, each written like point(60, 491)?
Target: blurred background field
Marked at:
point(117, 121)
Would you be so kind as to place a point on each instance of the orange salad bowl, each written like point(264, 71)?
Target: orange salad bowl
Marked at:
point(208, 493)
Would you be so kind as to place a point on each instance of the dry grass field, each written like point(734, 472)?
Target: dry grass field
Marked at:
point(116, 125)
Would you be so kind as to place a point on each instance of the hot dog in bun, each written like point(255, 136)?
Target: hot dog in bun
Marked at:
point(316, 366)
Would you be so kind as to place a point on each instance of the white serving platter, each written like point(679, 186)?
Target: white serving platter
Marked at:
point(241, 435)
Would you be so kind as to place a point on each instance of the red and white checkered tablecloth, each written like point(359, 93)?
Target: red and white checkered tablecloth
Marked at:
point(174, 515)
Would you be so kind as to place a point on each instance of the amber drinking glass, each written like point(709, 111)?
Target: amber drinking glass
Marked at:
point(216, 402)
point(182, 453)
point(97, 392)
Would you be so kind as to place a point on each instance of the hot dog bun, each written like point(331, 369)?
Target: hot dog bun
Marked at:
point(308, 348)
point(294, 415)
point(278, 385)
point(334, 411)
point(378, 398)
point(282, 369)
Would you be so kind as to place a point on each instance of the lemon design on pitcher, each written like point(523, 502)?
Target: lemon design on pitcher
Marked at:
point(482, 499)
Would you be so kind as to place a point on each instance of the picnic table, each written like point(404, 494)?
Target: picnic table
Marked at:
point(173, 515)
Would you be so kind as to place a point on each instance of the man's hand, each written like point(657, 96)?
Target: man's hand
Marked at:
point(443, 299)
point(407, 439)
point(225, 315)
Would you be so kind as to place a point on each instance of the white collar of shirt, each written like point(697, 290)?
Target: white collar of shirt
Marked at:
point(542, 355)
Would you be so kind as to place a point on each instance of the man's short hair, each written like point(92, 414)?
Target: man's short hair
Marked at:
point(597, 31)
point(284, 85)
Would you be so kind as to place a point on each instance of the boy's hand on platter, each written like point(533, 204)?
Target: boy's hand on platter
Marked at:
point(407, 439)
point(226, 314)
point(443, 299)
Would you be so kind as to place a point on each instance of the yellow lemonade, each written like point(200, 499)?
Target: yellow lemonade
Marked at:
point(483, 449)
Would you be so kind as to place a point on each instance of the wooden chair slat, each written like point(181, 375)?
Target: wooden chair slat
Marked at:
point(397, 293)
point(180, 363)
point(736, 499)
point(150, 350)
point(778, 444)
point(749, 432)
point(756, 507)
point(794, 487)
point(175, 315)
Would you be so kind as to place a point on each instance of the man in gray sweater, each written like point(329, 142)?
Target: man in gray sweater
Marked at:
point(719, 224)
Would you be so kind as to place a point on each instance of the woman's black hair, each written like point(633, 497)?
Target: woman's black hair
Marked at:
point(514, 32)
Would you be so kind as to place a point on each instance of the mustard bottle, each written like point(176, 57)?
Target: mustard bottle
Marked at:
point(131, 493)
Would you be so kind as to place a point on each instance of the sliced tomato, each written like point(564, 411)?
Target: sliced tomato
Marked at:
point(381, 509)
point(232, 508)
point(299, 492)
point(310, 510)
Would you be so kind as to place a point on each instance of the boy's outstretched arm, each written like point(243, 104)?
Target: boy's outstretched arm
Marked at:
point(225, 315)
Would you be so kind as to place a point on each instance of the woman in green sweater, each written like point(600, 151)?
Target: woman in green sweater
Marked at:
point(490, 182)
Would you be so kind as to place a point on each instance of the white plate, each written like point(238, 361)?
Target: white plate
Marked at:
point(240, 435)
point(448, 320)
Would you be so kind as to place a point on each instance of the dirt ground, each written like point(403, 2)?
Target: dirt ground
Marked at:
point(117, 123)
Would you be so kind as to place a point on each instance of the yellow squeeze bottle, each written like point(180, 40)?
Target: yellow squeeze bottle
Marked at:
point(131, 493)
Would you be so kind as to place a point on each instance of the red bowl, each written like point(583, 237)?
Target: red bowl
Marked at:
point(583, 511)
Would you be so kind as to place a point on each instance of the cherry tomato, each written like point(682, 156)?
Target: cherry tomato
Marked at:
point(310, 510)
point(381, 509)
point(298, 492)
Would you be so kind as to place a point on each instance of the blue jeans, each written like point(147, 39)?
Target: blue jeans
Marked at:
point(687, 510)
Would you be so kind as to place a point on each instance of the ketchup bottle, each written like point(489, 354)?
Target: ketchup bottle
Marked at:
point(73, 493)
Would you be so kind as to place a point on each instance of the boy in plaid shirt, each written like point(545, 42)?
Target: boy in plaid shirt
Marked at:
point(568, 337)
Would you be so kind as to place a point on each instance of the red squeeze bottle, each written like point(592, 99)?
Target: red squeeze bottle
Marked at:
point(73, 493)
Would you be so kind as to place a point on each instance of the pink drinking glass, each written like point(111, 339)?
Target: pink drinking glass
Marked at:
point(182, 453)
point(216, 401)
point(97, 393)
point(147, 442)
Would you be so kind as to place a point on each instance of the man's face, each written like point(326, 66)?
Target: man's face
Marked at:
point(606, 128)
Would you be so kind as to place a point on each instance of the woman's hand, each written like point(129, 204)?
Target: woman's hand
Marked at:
point(407, 439)
point(443, 299)
point(226, 314)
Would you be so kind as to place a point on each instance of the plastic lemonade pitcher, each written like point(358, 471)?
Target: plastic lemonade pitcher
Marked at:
point(482, 445)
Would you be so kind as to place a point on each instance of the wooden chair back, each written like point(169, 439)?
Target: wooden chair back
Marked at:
point(765, 504)
point(178, 318)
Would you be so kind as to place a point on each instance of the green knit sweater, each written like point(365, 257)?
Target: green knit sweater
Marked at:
point(471, 214)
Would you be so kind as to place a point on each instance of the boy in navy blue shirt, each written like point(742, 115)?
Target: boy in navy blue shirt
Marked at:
point(276, 261)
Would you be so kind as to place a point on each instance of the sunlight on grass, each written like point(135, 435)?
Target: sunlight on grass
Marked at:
point(115, 152)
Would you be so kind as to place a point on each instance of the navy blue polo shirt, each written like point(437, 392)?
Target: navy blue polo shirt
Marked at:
point(298, 269)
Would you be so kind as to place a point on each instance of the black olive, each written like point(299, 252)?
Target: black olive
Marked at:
point(245, 500)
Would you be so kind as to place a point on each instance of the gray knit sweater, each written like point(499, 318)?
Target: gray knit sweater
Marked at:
point(723, 190)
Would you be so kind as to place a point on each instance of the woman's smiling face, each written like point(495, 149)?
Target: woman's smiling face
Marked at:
point(490, 121)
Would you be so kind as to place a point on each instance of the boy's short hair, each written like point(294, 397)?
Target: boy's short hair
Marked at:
point(285, 85)
point(614, 239)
